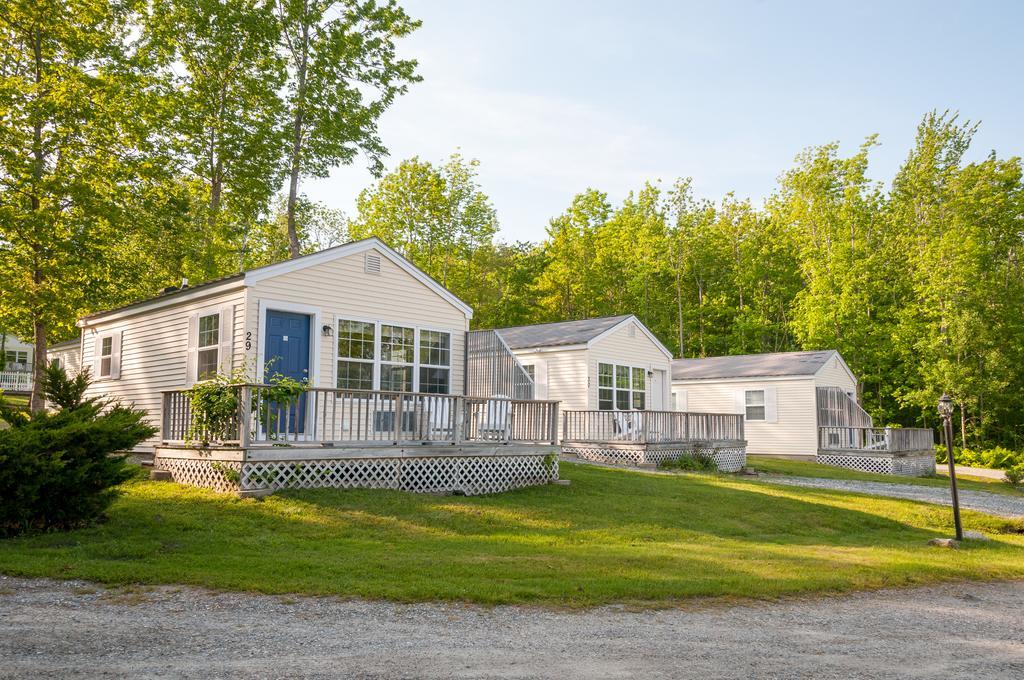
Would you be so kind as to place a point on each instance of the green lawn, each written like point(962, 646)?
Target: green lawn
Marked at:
point(612, 536)
point(799, 468)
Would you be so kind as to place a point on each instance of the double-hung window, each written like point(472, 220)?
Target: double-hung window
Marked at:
point(16, 358)
point(356, 354)
point(397, 358)
point(754, 401)
point(106, 355)
point(208, 344)
point(621, 388)
point(435, 362)
point(393, 358)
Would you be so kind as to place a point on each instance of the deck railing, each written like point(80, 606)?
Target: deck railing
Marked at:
point(337, 417)
point(16, 381)
point(649, 427)
point(882, 439)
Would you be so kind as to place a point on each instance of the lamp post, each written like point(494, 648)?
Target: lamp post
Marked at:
point(946, 411)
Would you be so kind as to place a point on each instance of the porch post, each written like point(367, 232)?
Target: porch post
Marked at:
point(245, 416)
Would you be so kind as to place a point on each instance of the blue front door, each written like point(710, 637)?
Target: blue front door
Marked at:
point(287, 353)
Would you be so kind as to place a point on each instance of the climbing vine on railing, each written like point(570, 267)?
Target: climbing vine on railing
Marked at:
point(214, 404)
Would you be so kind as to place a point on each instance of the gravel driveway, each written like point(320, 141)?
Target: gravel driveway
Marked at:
point(993, 504)
point(69, 629)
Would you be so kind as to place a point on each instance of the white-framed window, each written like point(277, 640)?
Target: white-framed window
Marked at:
point(208, 344)
point(356, 354)
point(531, 371)
point(621, 387)
point(754, 402)
point(435, 362)
point(107, 356)
point(210, 336)
point(393, 358)
point(16, 357)
point(397, 358)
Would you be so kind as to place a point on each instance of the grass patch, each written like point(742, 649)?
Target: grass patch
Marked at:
point(799, 468)
point(612, 536)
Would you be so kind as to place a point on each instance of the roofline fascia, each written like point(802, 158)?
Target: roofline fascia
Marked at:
point(354, 248)
point(159, 303)
point(647, 332)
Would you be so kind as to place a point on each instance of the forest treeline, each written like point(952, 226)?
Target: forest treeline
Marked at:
point(918, 283)
point(146, 142)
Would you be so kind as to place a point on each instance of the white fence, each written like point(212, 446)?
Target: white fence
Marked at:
point(16, 381)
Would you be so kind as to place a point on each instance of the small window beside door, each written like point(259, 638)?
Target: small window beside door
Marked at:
point(208, 343)
point(755, 404)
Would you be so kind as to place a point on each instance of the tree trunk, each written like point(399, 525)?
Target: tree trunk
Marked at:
point(679, 314)
point(38, 401)
point(963, 426)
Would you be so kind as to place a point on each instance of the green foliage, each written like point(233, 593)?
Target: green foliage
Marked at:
point(1015, 476)
point(57, 469)
point(695, 463)
point(996, 458)
point(214, 404)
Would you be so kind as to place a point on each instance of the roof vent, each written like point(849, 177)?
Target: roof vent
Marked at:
point(371, 263)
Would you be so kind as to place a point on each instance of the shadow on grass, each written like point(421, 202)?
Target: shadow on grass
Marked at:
point(610, 536)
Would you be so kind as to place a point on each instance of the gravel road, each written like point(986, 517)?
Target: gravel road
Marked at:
point(75, 629)
point(993, 504)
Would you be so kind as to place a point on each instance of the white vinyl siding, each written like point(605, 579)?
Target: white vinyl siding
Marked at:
point(69, 358)
point(342, 289)
point(790, 421)
point(632, 348)
point(155, 350)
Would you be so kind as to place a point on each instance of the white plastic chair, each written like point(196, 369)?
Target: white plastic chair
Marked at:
point(494, 421)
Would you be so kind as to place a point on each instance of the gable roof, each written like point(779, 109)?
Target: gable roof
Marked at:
point(268, 271)
point(753, 365)
point(571, 333)
point(558, 333)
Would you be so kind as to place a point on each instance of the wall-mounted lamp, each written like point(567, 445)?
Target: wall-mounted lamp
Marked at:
point(327, 330)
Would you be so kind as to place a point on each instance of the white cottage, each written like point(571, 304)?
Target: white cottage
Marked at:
point(381, 346)
point(16, 368)
point(799, 404)
point(611, 377)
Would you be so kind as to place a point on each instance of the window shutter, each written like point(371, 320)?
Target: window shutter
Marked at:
point(227, 336)
point(115, 355)
point(771, 407)
point(193, 349)
point(97, 347)
point(741, 402)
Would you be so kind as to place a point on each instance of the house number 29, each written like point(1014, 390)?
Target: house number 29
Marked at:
point(248, 340)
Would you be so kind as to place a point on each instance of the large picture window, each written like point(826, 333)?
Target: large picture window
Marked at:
point(393, 358)
point(621, 388)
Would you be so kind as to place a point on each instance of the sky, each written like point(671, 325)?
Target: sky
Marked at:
point(556, 97)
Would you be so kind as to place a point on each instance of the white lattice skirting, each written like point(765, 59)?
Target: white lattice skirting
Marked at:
point(469, 475)
point(730, 458)
point(915, 465)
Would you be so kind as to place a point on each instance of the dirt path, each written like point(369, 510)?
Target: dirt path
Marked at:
point(73, 629)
